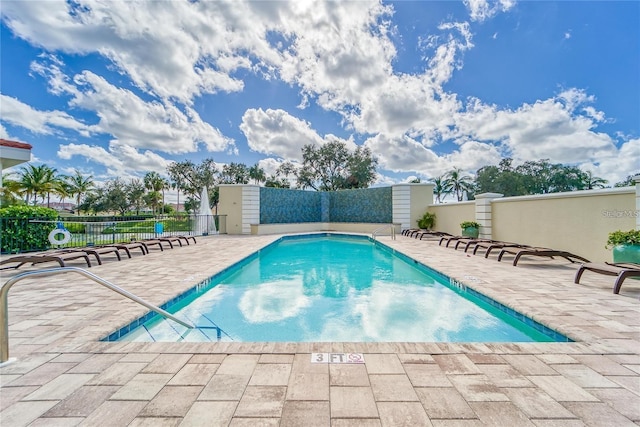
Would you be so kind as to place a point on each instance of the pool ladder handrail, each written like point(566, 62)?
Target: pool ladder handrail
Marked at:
point(390, 226)
point(4, 293)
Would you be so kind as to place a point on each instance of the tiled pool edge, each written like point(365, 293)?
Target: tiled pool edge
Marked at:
point(448, 281)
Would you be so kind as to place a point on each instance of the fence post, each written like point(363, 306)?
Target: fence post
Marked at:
point(410, 202)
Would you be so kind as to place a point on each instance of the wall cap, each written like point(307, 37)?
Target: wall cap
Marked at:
point(469, 202)
point(410, 184)
point(489, 196)
point(570, 194)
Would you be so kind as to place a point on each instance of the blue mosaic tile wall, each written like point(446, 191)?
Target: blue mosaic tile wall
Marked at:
point(362, 205)
point(281, 205)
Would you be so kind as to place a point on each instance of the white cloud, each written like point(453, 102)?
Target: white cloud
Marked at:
point(153, 124)
point(120, 160)
point(339, 55)
point(404, 104)
point(170, 49)
point(480, 10)
point(338, 50)
point(20, 114)
point(405, 154)
point(551, 129)
point(276, 132)
point(617, 164)
point(3, 132)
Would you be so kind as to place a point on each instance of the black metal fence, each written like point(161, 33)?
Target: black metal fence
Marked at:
point(27, 235)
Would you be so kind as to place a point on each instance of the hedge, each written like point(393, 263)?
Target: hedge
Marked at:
point(18, 233)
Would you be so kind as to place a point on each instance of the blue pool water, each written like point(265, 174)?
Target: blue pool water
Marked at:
point(335, 288)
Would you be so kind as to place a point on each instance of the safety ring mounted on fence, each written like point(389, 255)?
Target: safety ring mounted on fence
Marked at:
point(66, 236)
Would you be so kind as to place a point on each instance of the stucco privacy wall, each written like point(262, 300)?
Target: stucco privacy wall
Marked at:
point(450, 215)
point(577, 221)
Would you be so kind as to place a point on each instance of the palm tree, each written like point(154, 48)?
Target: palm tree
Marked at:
point(154, 183)
point(592, 182)
point(440, 190)
point(166, 185)
point(175, 185)
point(37, 181)
point(79, 185)
point(257, 174)
point(61, 188)
point(11, 191)
point(457, 182)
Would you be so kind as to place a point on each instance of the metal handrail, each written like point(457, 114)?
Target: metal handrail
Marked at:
point(391, 227)
point(4, 292)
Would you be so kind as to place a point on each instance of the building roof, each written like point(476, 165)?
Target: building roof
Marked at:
point(15, 144)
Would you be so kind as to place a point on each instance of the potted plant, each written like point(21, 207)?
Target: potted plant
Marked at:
point(626, 245)
point(470, 229)
point(427, 221)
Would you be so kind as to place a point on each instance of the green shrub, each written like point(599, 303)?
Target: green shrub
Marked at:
point(427, 221)
point(75, 227)
point(469, 224)
point(18, 232)
point(631, 237)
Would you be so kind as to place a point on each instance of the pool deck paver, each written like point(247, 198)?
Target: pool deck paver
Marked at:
point(65, 376)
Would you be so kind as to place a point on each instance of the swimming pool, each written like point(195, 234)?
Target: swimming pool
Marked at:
point(335, 288)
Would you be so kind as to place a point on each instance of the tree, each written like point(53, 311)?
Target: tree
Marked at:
point(135, 192)
point(362, 168)
point(61, 188)
point(256, 173)
point(78, 186)
point(542, 177)
point(115, 197)
point(440, 190)
point(332, 167)
point(165, 186)
point(275, 182)
point(37, 181)
point(234, 173)
point(152, 198)
point(501, 179)
point(628, 181)
point(176, 186)
point(591, 182)
point(94, 202)
point(190, 178)
point(457, 183)
point(155, 184)
point(286, 170)
point(11, 192)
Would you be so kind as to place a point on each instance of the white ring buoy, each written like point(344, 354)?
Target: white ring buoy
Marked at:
point(66, 236)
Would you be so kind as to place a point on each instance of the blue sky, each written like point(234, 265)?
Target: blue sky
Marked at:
point(117, 89)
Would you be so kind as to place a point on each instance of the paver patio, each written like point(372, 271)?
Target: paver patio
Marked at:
point(64, 375)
